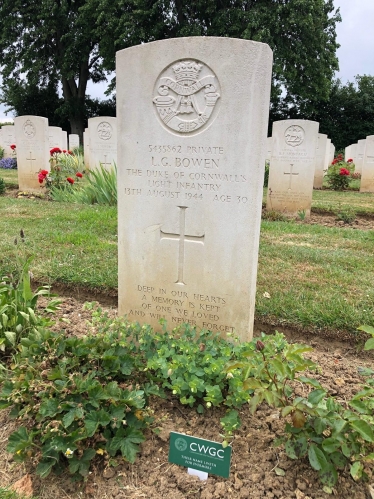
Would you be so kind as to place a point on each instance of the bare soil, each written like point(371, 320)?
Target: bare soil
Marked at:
point(254, 457)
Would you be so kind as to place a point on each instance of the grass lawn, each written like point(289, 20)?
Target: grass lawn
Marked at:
point(10, 177)
point(317, 277)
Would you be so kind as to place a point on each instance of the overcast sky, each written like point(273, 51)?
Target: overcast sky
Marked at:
point(355, 36)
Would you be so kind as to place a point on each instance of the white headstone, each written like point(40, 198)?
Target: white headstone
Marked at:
point(192, 117)
point(353, 152)
point(320, 161)
point(367, 174)
point(86, 148)
point(360, 150)
point(64, 137)
point(32, 150)
point(347, 153)
point(55, 137)
point(8, 139)
point(332, 153)
point(292, 166)
point(73, 141)
point(327, 157)
point(102, 132)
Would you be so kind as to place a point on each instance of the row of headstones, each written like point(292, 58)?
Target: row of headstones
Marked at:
point(57, 137)
point(34, 140)
point(299, 157)
point(362, 154)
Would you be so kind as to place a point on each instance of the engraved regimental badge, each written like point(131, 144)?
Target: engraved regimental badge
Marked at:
point(188, 92)
point(294, 135)
point(104, 130)
point(29, 129)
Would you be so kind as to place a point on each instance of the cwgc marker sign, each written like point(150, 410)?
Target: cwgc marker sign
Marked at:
point(292, 166)
point(199, 454)
point(191, 154)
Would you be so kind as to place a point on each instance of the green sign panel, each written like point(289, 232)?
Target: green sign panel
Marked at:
point(199, 454)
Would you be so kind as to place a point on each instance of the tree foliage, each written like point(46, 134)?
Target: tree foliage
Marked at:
point(74, 41)
point(348, 115)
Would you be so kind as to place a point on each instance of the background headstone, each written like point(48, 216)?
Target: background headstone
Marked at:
point(102, 133)
point(367, 174)
point(292, 166)
point(327, 157)
point(8, 138)
point(347, 153)
point(55, 137)
point(354, 152)
point(192, 118)
point(360, 150)
point(86, 148)
point(73, 141)
point(32, 150)
point(332, 153)
point(320, 161)
point(64, 138)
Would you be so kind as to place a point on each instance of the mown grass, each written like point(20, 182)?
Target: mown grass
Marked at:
point(10, 178)
point(317, 277)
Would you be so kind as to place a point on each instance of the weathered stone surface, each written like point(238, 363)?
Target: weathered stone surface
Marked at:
point(32, 150)
point(8, 137)
point(320, 161)
point(73, 140)
point(192, 119)
point(55, 137)
point(292, 166)
point(102, 132)
point(360, 151)
point(367, 175)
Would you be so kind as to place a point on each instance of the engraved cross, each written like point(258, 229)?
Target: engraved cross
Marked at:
point(105, 163)
point(31, 159)
point(182, 237)
point(290, 173)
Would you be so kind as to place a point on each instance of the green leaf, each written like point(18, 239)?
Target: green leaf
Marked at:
point(316, 396)
point(129, 445)
point(286, 410)
point(364, 429)
point(251, 384)
point(317, 458)
point(369, 344)
point(279, 472)
point(310, 381)
point(45, 467)
point(330, 445)
point(338, 460)
point(94, 419)
point(11, 337)
point(366, 329)
point(319, 426)
point(296, 448)
point(255, 402)
point(19, 440)
point(49, 408)
point(360, 406)
point(356, 470)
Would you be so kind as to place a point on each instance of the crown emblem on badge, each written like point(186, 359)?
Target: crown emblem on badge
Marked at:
point(187, 71)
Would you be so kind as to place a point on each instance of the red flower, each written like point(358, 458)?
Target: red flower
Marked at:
point(334, 162)
point(44, 172)
point(344, 171)
point(350, 160)
point(12, 146)
point(78, 174)
point(55, 150)
point(64, 150)
point(40, 180)
point(71, 153)
point(70, 180)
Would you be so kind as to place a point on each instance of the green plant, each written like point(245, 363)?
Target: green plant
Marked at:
point(1, 152)
point(330, 434)
point(18, 302)
point(66, 169)
point(301, 214)
point(100, 188)
point(5, 493)
point(347, 215)
point(2, 186)
point(339, 173)
point(274, 216)
point(78, 399)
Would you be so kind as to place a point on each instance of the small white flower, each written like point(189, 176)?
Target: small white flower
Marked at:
point(266, 295)
point(68, 452)
point(229, 375)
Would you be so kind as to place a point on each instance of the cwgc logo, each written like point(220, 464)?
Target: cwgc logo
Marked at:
point(104, 130)
point(180, 444)
point(188, 94)
point(29, 129)
point(294, 135)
